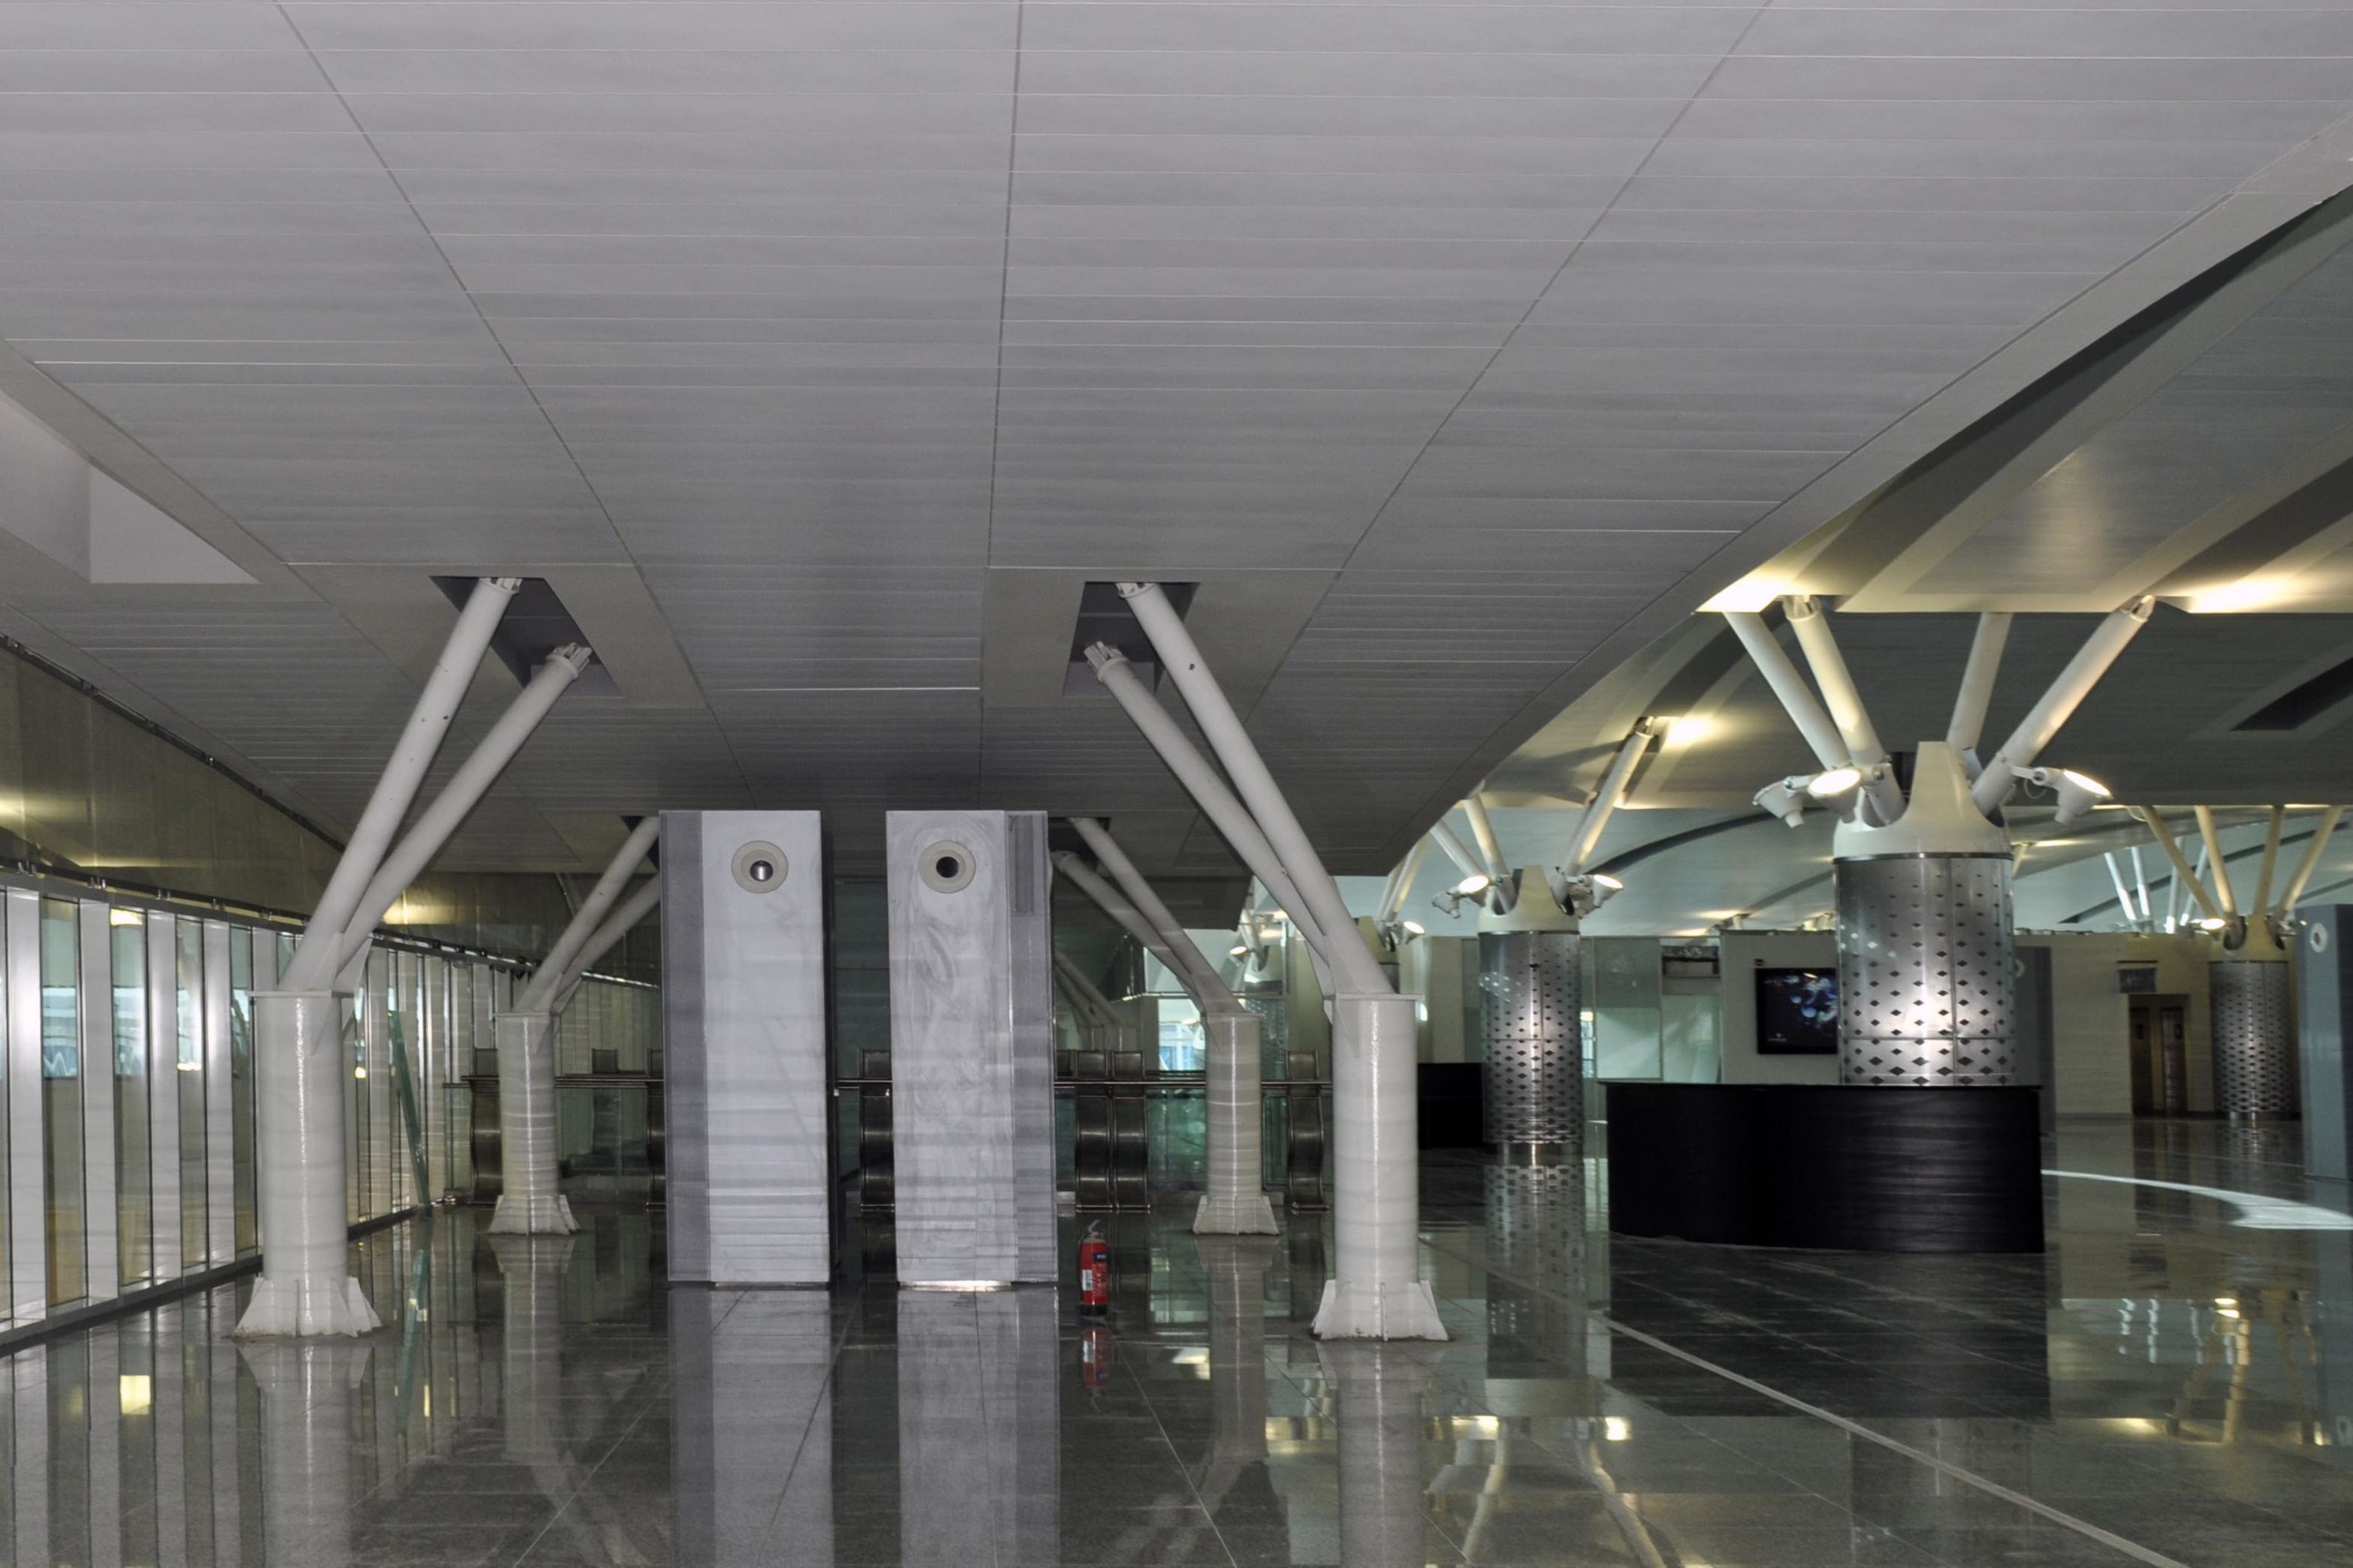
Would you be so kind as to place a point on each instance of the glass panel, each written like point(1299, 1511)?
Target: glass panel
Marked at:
point(190, 1061)
point(1181, 1046)
point(1625, 1007)
point(133, 1189)
point(1691, 1037)
point(240, 1066)
point(61, 1168)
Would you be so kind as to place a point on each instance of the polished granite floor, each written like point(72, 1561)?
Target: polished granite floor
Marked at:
point(2171, 1384)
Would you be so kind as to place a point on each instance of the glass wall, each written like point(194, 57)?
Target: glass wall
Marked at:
point(188, 967)
point(134, 1232)
point(126, 992)
point(62, 1184)
point(242, 1090)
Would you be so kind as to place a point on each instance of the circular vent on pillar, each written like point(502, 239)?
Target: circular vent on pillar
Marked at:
point(759, 867)
point(946, 867)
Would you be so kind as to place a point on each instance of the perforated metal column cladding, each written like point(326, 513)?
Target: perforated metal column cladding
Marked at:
point(971, 1048)
point(2254, 1051)
point(1925, 985)
point(1534, 1069)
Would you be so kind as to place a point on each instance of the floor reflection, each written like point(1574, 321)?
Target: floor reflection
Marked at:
point(2169, 1384)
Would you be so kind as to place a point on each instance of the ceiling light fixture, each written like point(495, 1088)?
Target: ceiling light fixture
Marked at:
point(1836, 781)
point(2077, 793)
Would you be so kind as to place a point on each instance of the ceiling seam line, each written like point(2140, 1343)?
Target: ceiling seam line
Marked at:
point(1576, 245)
point(997, 386)
point(368, 139)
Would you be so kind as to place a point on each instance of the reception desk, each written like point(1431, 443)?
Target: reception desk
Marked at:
point(1840, 1167)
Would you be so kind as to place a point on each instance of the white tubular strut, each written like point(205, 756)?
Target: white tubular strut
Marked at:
point(2059, 704)
point(1798, 699)
point(306, 1287)
point(593, 909)
point(1235, 1204)
point(465, 790)
point(2271, 859)
point(2311, 861)
point(1218, 802)
point(319, 953)
point(1402, 880)
point(1451, 842)
point(2183, 877)
point(1609, 795)
point(530, 1202)
point(1482, 834)
point(1106, 898)
point(1084, 990)
point(2224, 894)
point(1863, 748)
point(1376, 1291)
point(1971, 703)
point(1353, 967)
point(618, 925)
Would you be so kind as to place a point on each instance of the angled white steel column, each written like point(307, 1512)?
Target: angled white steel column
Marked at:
point(1863, 748)
point(530, 1200)
point(1376, 1291)
point(540, 994)
point(465, 790)
point(1210, 792)
point(1609, 796)
point(618, 925)
point(306, 1287)
point(1976, 693)
point(2100, 649)
point(1235, 1204)
point(319, 954)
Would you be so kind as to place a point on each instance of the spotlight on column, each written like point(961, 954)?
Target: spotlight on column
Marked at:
point(1785, 799)
point(1470, 887)
point(1835, 782)
point(2077, 793)
point(1413, 927)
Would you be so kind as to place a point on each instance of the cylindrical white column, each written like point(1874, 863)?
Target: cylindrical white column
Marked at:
point(1236, 1203)
point(2254, 1043)
point(1376, 1291)
point(1383, 1492)
point(1926, 989)
point(531, 1364)
point(306, 1285)
point(1533, 1072)
point(529, 1200)
point(307, 1394)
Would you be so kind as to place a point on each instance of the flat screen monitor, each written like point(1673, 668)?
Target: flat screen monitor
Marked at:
point(1797, 1012)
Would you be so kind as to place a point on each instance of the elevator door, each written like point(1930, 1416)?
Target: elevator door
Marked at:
point(2161, 1055)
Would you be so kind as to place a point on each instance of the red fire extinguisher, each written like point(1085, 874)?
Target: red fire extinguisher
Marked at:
point(1094, 1273)
point(1094, 1357)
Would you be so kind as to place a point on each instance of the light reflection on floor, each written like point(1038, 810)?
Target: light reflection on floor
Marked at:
point(2157, 1389)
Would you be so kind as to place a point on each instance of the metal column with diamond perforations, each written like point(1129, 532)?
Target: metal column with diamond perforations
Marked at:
point(1926, 984)
point(1533, 1075)
point(2254, 1038)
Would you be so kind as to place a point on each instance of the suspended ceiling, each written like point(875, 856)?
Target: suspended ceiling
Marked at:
point(818, 353)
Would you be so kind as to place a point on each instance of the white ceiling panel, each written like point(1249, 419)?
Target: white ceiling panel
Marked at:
point(1502, 318)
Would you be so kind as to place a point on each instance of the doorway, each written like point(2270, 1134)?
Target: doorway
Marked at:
point(2161, 1055)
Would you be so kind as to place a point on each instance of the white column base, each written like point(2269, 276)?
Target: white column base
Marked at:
point(1376, 1291)
point(307, 1305)
point(543, 1216)
point(306, 1286)
point(529, 1200)
point(1248, 1215)
point(1407, 1311)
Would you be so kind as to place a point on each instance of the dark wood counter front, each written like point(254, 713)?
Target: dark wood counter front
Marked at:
point(1856, 1168)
